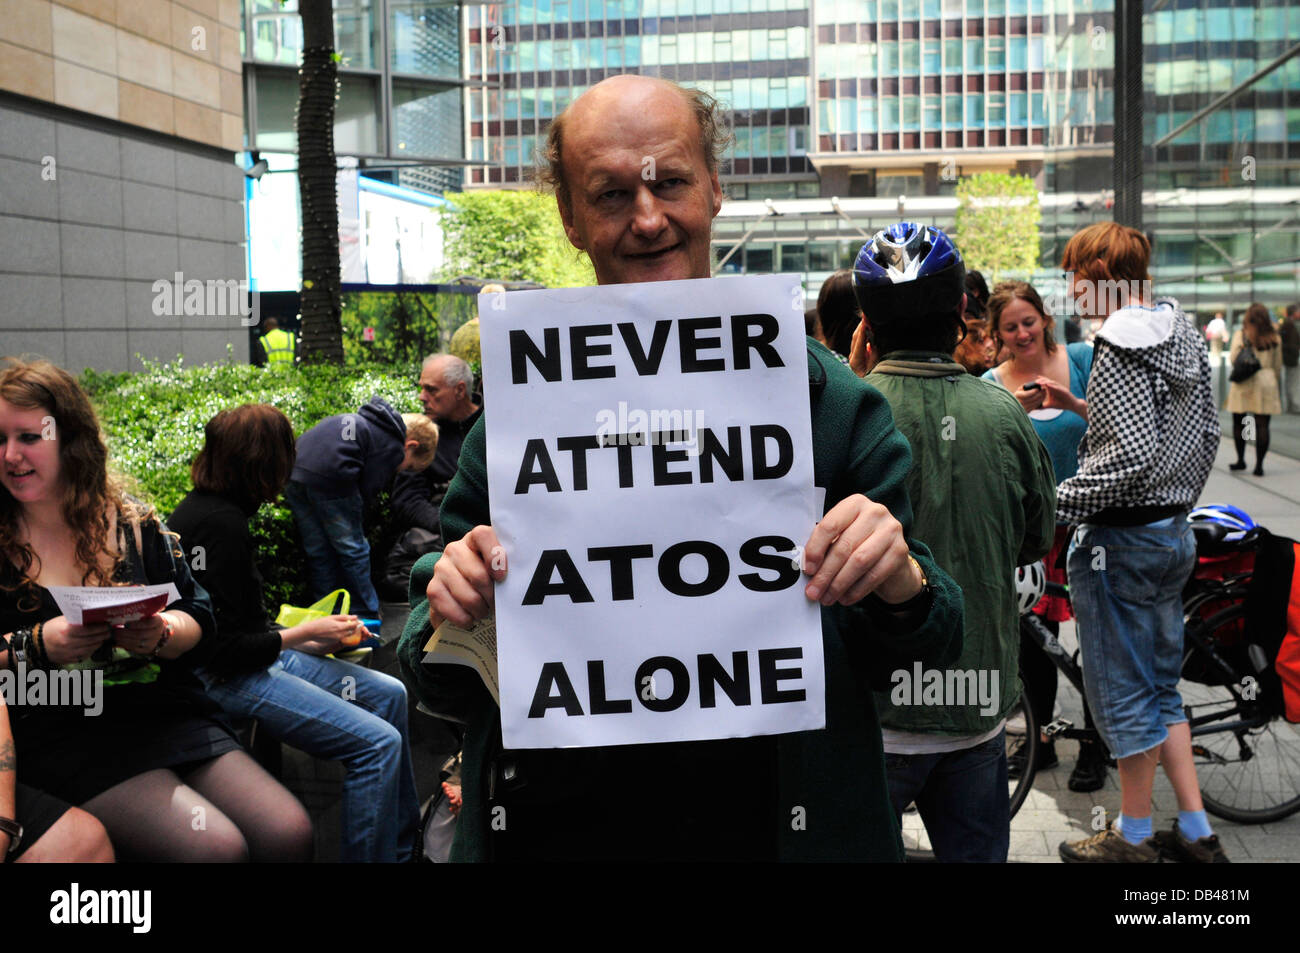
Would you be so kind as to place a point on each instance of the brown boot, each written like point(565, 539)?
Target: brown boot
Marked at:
point(1109, 847)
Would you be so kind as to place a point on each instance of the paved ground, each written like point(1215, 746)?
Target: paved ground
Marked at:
point(1053, 813)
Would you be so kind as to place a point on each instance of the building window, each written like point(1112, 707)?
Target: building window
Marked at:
point(910, 57)
point(867, 114)
point(997, 109)
point(911, 113)
point(1018, 114)
point(930, 57)
point(975, 54)
point(975, 111)
point(952, 112)
point(933, 107)
point(952, 58)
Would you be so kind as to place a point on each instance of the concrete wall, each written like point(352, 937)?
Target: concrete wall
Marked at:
point(92, 213)
point(172, 66)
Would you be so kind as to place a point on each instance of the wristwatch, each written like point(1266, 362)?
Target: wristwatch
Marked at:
point(15, 832)
point(917, 600)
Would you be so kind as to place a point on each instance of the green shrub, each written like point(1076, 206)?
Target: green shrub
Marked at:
point(153, 422)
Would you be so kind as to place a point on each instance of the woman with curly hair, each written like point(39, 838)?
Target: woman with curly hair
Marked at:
point(157, 764)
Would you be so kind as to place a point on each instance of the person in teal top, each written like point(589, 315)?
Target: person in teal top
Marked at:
point(1058, 413)
point(1020, 323)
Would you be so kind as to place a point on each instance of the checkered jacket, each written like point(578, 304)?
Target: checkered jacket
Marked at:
point(1152, 426)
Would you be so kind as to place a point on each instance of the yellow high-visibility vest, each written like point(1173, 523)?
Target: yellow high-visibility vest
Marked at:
point(279, 346)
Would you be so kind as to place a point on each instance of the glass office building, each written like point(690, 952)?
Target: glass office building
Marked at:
point(854, 113)
point(400, 84)
point(530, 58)
point(1225, 193)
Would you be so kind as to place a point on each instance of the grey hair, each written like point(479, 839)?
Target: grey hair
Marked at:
point(454, 371)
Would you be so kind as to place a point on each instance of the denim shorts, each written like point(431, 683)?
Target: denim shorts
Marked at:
point(1126, 586)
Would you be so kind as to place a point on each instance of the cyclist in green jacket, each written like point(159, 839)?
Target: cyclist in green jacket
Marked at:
point(984, 496)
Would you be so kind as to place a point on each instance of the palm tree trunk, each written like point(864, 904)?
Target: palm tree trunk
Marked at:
point(322, 330)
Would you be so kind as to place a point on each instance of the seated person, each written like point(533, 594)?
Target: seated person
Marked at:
point(51, 831)
point(159, 754)
point(329, 709)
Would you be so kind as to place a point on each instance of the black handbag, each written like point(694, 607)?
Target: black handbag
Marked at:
point(1245, 366)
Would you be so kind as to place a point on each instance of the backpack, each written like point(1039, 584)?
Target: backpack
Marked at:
point(1273, 619)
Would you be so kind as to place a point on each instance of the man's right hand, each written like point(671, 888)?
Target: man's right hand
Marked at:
point(460, 591)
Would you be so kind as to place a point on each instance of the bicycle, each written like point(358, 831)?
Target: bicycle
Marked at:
point(1247, 756)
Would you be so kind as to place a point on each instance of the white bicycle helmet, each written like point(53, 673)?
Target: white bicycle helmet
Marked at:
point(1031, 583)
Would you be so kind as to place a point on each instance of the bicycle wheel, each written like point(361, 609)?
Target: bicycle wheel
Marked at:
point(1022, 743)
point(1250, 775)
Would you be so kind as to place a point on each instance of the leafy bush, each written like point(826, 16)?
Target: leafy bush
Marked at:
point(153, 422)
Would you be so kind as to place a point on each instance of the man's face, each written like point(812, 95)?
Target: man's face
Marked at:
point(438, 398)
point(642, 199)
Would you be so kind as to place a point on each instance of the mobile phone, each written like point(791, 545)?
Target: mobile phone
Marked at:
point(1033, 385)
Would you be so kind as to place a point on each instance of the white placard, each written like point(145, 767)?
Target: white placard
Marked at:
point(653, 591)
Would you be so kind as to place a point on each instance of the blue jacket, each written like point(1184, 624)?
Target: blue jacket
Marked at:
point(352, 452)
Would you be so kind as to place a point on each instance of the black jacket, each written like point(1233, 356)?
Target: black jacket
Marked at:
point(349, 452)
point(417, 497)
point(226, 567)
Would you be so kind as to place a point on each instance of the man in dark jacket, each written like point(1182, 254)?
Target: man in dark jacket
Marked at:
point(446, 386)
point(885, 603)
point(343, 462)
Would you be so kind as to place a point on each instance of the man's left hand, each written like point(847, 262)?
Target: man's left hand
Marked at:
point(856, 549)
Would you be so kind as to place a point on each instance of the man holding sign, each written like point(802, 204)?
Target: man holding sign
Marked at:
point(663, 610)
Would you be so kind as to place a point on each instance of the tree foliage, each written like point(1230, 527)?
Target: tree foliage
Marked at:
point(997, 224)
point(511, 236)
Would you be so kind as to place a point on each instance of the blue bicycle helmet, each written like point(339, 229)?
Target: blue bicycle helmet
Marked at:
point(1222, 525)
point(908, 270)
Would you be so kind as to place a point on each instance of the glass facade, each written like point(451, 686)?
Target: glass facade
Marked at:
point(528, 59)
point(873, 100)
point(1228, 188)
point(400, 83)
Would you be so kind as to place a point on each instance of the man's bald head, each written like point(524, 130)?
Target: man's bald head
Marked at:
point(631, 91)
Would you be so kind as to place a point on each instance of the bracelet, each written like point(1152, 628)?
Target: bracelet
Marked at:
point(168, 629)
point(42, 657)
point(18, 647)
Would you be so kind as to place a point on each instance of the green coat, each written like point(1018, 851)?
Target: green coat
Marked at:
point(984, 495)
point(832, 780)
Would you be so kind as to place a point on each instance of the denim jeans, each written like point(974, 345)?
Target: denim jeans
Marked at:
point(1126, 585)
point(338, 554)
point(962, 797)
point(314, 705)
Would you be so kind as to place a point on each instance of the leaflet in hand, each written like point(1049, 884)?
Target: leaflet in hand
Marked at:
point(475, 647)
point(115, 605)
